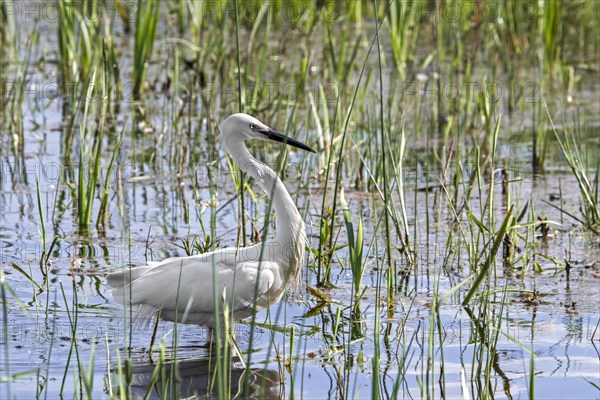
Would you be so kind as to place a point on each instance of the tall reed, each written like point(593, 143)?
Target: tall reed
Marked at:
point(588, 187)
point(145, 32)
point(404, 30)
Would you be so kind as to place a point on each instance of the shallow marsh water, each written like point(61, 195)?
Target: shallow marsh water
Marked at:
point(559, 325)
point(160, 192)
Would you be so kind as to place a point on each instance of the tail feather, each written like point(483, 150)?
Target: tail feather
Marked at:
point(120, 281)
point(124, 277)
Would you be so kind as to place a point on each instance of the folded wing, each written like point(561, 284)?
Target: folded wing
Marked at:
point(190, 285)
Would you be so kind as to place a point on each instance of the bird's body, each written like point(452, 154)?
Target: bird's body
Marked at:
point(247, 279)
point(182, 287)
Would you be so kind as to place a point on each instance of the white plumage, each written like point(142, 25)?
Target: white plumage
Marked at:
point(251, 278)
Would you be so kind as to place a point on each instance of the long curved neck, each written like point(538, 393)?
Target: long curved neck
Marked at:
point(290, 237)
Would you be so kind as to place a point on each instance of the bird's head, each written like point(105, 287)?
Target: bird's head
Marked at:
point(239, 127)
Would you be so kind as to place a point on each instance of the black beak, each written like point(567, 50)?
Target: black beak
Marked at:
point(278, 137)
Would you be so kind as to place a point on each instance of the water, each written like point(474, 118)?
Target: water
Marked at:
point(560, 325)
point(153, 207)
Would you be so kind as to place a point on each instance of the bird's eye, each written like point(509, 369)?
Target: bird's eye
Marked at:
point(252, 126)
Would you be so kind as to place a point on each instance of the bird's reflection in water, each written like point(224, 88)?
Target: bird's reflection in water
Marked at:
point(195, 378)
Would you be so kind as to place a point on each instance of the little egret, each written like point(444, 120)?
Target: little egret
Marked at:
point(247, 279)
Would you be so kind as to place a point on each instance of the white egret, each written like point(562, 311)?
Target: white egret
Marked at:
point(251, 278)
